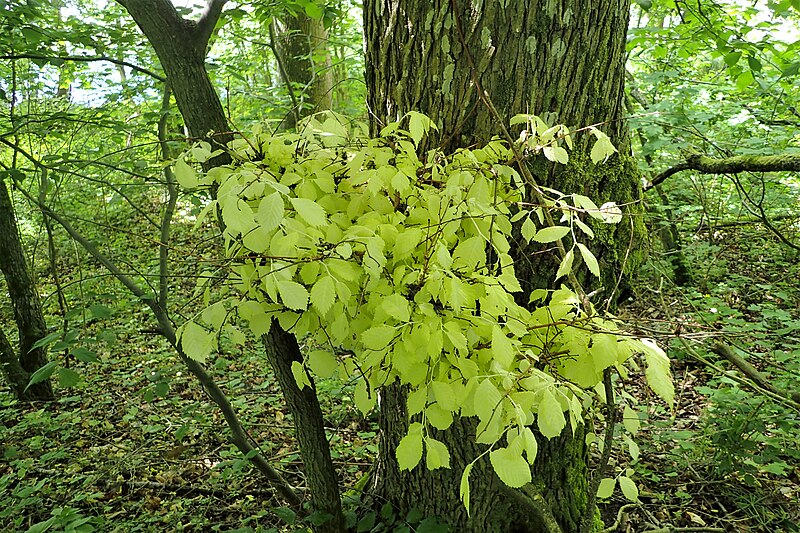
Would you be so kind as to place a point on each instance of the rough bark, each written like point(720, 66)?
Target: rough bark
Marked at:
point(282, 349)
point(558, 58)
point(27, 309)
point(564, 61)
point(561, 60)
point(11, 368)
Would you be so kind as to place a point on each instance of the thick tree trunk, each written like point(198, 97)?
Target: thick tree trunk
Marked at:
point(27, 309)
point(11, 368)
point(564, 61)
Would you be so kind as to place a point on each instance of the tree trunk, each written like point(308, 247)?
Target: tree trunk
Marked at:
point(181, 48)
point(563, 61)
point(282, 349)
point(302, 42)
point(27, 309)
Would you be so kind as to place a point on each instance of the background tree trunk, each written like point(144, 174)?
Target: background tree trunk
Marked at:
point(563, 61)
point(27, 310)
point(302, 42)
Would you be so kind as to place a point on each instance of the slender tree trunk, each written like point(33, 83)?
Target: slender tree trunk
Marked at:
point(321, 93)
point(302, 42)
point(181, 47)
point(282, 349)
point(27, 309)
point(564, 61)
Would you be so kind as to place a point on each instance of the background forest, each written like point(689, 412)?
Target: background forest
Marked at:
point(110, 253)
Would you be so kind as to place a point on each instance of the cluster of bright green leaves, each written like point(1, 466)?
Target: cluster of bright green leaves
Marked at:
point(403, 265)
point(540, 137)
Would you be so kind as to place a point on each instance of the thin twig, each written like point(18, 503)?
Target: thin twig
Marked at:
point(608, 440)
point(86, 59)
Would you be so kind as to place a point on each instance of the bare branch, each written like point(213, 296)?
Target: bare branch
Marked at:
point(87, 59)
point(732, 165)
point(239, 436)
point(750, 371)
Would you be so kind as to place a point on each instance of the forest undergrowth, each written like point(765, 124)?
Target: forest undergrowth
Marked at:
point(135, 445)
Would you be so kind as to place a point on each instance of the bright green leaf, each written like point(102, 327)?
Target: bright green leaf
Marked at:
point(606, 488)
point(603, 147)
point(214, 315)
point(406, 242)
point(300, 376)
point(565, 267)
point(630, 419)
point(293, 295)
point(629, 488)
point(436, 454)
point(185, 174)
point(550, 416)
point(604, 350)
point(323, 363)
point(378, 338)
point(197, 342)
point(463, 487)
point(551, 234)
point(323, 294)
point(503, 349)
point(444, 395)
point(658, 374)
point(584, 202)
point(396, 306)
point(409, 450)
point(744, 80)
point(556, 153)
point(511, 467)
point(254, 312)
point(309, 210)
point(529, 444)
point(528, 229)
point(589, 259)
point(364, 397)
point(438, 417)
point(487, 399)
point(633, 448)
point(270, 211)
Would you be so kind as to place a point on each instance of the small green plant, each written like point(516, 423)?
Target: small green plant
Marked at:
point(66, 520)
